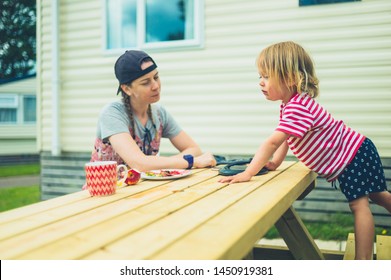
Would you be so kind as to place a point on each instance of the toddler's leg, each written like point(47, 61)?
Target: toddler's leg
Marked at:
point(364, 228)
point(382, 199)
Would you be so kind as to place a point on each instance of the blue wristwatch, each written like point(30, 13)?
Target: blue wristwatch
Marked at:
point(190, 160)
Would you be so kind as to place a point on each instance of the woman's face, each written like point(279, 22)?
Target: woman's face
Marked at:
point(145, 89)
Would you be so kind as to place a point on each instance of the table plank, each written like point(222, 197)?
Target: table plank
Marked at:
point(48, 205)
point(71, 208)
point(155, 237)
point(92, 238)
point(43, 218)
point(195, 217)
point(241, 225)
point(132, 198)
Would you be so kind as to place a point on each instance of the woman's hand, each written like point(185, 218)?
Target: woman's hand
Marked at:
point(240, 177)
point(204, 160)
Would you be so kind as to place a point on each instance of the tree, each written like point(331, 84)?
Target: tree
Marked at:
point(17, 38)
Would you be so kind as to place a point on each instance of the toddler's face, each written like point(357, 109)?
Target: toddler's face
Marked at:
point(267, 88)
point(273, 90)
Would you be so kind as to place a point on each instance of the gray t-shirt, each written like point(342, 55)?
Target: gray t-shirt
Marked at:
point(113, 119)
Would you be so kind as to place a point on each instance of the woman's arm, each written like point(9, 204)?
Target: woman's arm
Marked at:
point(125, 146)
point(127, 149)
point(186, 145)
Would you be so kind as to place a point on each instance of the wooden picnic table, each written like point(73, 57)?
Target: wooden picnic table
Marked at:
point(194, 217)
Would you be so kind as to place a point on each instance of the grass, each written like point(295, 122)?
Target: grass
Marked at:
point(13, 197)
point(18, 196)
point(19, 170)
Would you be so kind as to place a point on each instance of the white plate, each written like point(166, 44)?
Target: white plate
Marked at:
point(181, 173)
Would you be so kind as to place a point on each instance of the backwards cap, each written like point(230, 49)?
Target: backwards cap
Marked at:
point(127, 68)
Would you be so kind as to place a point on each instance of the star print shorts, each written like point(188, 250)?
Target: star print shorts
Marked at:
point(364, 174)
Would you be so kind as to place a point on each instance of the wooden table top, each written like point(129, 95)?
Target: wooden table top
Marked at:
point(194, 217)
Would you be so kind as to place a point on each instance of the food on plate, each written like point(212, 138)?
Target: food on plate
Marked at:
point(163, 173)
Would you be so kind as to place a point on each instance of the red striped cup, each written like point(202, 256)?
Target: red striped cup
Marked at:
point(101, 177)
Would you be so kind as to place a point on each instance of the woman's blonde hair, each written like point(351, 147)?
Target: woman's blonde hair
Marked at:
point(290, 65)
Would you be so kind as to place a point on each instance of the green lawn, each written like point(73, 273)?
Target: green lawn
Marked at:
point(18, 170)
point(13, 197)
point(18, 196)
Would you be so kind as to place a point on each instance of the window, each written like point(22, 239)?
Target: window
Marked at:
point(153, 23)
point(29, 109)
point(318, 2)
point(17, 109)
point(8, 108)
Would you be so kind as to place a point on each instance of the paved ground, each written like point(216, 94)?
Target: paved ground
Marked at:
point(19, 181)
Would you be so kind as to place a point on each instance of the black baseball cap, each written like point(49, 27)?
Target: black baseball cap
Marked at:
point(127, 68)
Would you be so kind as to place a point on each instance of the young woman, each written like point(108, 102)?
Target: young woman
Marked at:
point(129, 131)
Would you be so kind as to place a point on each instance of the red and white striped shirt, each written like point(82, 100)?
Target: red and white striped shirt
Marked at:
point(323, 144)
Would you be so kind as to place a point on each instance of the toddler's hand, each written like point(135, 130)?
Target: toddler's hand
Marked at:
point(241, 177)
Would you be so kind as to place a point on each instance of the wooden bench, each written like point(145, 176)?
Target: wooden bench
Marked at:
point(278, 252)
point(383, 248)
point(273, 252)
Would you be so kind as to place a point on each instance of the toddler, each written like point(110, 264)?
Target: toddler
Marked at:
point(324, 144)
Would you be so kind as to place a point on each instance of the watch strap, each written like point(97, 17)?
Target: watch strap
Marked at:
point(190, 161)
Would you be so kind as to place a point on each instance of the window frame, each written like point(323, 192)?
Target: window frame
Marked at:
point(11, 96)
point(305, 4)
point(196, 43)
point(19, 107)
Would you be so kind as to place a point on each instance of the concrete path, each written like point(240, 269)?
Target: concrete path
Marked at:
point(19, 181)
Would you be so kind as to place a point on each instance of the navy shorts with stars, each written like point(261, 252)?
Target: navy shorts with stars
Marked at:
point(364, 174)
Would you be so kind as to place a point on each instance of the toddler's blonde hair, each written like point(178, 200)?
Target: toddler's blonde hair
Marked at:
point(290, 65)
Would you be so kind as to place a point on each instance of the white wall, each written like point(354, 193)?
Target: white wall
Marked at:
point(213, 92)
